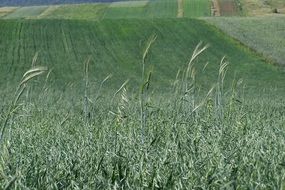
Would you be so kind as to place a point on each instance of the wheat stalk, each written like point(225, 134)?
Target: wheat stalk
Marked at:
point(29, 75)
point(145, 84)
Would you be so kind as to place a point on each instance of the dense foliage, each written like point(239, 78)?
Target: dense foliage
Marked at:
point(181, 140)
point(120, 103)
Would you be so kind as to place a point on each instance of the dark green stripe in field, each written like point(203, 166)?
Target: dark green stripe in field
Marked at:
point(116, 47)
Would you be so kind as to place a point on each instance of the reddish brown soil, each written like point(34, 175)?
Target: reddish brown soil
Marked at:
point(227, 7)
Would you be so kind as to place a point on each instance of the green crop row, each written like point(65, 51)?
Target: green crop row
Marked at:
point(115, 46)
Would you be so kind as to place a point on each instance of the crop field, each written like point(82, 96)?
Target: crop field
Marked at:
point(115, 10)
point(253, 7)
point(82, 11)
point(228, 8)
point(197, 8)
point(26, 12)
point(162, 9)
point(135, 9)
point(129, 4)
point(263, 34)
point(51, 2)
point(119, 10)
point(111, 42)
point(114, 145)
point(140, 95)
point(6, 10)
point(52, 10)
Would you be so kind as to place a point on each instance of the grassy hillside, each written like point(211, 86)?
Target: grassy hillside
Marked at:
point(68, 132)
point(119, 96)
point(263, 34)
point(116, 47)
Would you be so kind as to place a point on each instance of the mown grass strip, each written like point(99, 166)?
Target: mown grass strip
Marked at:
point(6, 10)
point(129, 4)
point(26, 12)
point(92, 11)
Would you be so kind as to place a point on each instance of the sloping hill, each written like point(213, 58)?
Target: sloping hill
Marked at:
point(71, 127)
point(116, 47)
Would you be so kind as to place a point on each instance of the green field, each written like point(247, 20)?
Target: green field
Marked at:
point(117, 10)
point(116, 47)
point(121, 96)
point(263, 34)
point(197, 8)
point(120, 10)
point(114, 145)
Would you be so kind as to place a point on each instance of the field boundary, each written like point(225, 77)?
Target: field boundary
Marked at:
point(48, 11)
point(215, 10)
point(180, 9)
